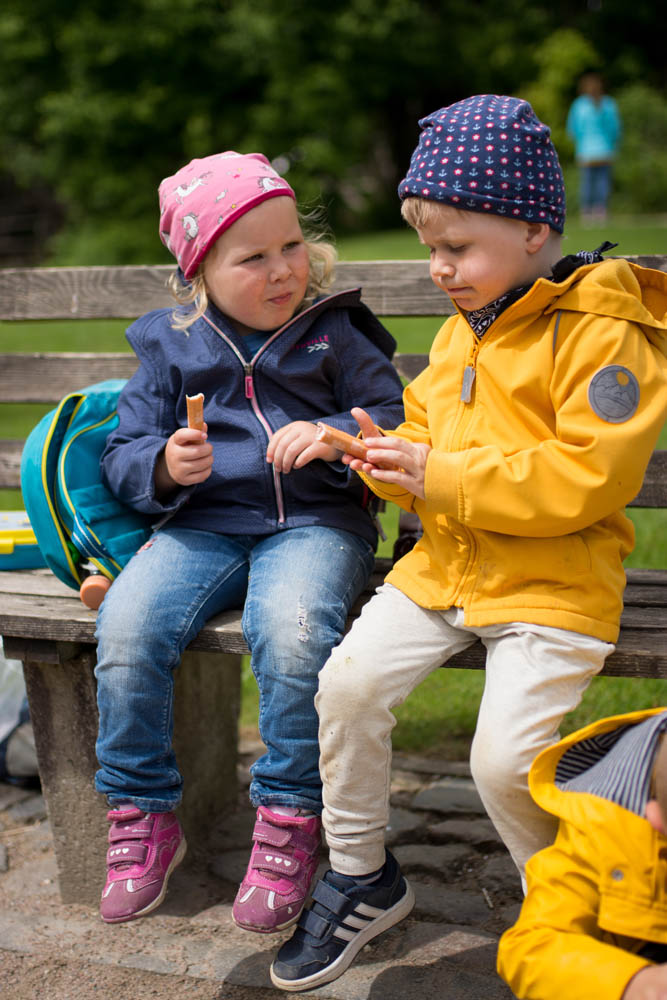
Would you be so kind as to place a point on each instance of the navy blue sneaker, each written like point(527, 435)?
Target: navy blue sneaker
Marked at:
point(344, 916)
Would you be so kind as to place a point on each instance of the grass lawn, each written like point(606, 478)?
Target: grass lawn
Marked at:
point(439, 717)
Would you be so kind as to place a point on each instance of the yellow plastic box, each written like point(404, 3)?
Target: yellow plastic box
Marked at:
point(18, 545)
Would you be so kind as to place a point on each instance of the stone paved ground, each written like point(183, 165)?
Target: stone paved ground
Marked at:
point(466, 887)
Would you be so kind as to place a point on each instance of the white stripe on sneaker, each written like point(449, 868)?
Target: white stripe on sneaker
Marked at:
point(351, 921)
point(344, 934)
point(368, 911)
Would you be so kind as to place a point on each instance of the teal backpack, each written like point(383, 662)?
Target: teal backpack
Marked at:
point(79, 525)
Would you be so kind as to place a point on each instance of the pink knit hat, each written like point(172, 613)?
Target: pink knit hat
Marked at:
point(205, 197)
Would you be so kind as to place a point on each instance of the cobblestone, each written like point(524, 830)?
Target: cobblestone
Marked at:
point(466, 887)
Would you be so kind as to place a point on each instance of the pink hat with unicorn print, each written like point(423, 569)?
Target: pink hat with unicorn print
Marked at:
point(205, 197)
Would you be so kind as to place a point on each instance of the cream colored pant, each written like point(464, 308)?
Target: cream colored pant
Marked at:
point(534, 675)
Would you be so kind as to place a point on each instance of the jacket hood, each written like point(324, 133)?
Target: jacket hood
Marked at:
point(616, 288)
point(541, 779)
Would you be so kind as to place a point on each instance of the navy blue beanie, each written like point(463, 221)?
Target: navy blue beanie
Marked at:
point(488, 154)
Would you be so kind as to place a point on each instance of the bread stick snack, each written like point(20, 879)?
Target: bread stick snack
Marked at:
point(342, 440)
point(195, 405)
point(345, 442)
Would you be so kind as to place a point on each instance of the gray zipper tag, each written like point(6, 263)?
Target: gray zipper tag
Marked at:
point(467, 384)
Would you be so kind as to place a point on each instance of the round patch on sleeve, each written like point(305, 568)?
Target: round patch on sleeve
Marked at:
point(614, 394)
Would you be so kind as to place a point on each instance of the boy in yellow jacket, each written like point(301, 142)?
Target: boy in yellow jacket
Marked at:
point(524, 439)
point(594, 920)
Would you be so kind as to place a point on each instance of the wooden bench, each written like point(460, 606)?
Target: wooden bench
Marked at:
point(44, 624)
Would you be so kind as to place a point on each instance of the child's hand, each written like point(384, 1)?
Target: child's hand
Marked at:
point(407, 457)
point(648, 984)
point(294, 445)
point(186, 460)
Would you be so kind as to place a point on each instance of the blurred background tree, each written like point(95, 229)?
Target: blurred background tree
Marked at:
point(98, 101)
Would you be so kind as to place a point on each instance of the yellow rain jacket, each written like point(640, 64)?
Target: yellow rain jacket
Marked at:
point(594, 898)
point(541, 432)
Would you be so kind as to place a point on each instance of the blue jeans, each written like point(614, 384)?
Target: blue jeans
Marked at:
point(298, 586)
point(594, 186)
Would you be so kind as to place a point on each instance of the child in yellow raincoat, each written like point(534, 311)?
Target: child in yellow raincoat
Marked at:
point(594, 920)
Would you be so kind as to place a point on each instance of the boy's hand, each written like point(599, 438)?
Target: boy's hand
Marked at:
point(186, 460)
point(648, 984)
point(294, 445)
point(407, 457)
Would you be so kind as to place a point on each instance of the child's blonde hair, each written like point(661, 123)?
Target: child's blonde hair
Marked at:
point(322, 256)
point(420, 212)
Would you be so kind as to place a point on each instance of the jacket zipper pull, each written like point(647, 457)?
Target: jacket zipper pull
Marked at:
point(249, 391)
point(467, 384)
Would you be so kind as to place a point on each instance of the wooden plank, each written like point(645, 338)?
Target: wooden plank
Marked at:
point(639, 596)
point(641, 650)
point(654, 489)
point(395, 287)
point(65, 619)
point(10, 463)
point(647, 577)
point(34, 583)
point(653, 493)
point(649, 617)
point(409, 366)
point(62, 619)
point(47, 377)
point(391, 288)
point(639, 654)
point(82, 292)
point(645, 587)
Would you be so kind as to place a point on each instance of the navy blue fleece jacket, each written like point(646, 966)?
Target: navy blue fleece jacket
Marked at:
point(330, 357)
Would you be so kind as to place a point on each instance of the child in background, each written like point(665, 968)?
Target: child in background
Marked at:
point(594, 920)
point(253, 512)
point(594, 125)
point(524, 439)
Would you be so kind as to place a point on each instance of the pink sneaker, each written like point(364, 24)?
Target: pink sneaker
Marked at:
point(282, 865)
point(144, 850)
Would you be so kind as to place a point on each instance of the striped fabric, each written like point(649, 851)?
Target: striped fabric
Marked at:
point(361, 917)
point(616, 766)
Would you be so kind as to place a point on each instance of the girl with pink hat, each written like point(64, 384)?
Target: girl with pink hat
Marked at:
point(251, 511)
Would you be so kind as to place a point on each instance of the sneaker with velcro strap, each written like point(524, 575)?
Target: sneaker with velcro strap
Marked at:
point(282, 866)
point(344, 916)
point(144, 849)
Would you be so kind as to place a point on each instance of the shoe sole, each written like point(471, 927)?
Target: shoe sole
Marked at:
point(392, 916)
point(175, 861)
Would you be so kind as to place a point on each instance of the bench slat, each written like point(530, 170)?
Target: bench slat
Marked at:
point(391, 288)
point(645, 587)
point(10, 464)
point(653, 493)
point(47, 377)
point(52, 611)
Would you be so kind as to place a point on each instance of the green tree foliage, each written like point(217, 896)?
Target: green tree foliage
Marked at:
point(640, 174)
point(101, 101)
point(562, 57)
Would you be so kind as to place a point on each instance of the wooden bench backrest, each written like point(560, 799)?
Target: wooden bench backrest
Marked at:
point(390, 288)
